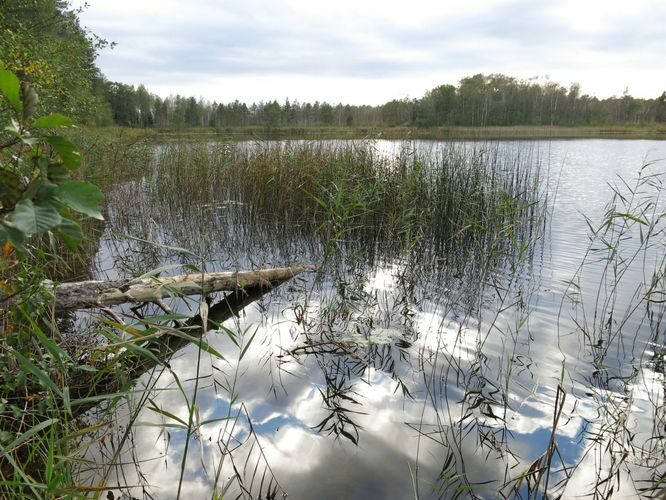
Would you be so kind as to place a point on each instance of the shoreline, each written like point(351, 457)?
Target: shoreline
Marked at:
point(653, 132)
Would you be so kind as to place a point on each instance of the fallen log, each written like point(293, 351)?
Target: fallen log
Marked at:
point(89, 294)
point(87, 392)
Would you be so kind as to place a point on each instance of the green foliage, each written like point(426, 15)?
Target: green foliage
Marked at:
point(478, 101)
point(37, 195)
point(661, 108)
point(10, 87)
point(43, 43)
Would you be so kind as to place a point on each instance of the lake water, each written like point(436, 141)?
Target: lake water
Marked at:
point(369, 379)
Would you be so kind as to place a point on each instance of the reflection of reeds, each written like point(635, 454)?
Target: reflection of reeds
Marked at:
point(292, 201)
point(620, 322)
point(447, 223)
point(456, 230)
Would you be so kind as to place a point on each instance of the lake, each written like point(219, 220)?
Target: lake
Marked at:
point(427, 367)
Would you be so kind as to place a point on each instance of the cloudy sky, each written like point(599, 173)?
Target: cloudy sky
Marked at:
point(371, 51)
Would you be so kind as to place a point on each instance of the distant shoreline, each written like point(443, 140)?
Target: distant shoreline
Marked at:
point(313, 132)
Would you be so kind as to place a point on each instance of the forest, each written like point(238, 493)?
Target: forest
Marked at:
point(476, 101)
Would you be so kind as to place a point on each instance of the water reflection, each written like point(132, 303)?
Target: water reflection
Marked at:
point(392, 374)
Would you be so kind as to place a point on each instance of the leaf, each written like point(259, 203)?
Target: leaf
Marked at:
point(157, 409)
point(349, 436)
point(52, 121)
point(57, 173)
point(58, 354)
point(247, 346)
point(33, 219)
point(630, 217)
point(103, 397)
point(27, 435)
point(158, 271)
point(11, 188)
point(8, 233)
point(70, 232)
point(162, 318)
point(11, 88)
point(66, 150)
point(159, 245)
point(82, 197)
point(43, 376)
point(202, 345)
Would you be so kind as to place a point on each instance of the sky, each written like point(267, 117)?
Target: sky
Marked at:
point(372, 51)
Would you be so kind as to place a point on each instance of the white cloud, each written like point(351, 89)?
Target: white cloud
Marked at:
point(372, 51)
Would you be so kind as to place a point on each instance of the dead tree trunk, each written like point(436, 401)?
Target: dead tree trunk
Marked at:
point(244, 288)
point(87, 294)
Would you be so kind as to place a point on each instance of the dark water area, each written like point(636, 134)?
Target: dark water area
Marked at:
point(426, 371)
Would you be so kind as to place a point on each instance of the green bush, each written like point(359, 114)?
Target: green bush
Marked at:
point(39, 201)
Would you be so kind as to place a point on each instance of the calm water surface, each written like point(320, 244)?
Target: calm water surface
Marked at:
point(372, 380)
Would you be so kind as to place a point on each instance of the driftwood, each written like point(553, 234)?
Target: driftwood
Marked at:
point(246, 287)
point(87, 294)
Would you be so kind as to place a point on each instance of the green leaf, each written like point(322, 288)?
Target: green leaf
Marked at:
point(9, 234)
point(30, 367)
point(247, 346)
point(11, 188)
point(157, 409)
point(46, 192)
point(57, 173)
point(630, 217)
point(104, 397)
point(33, 219)
point(11, 88)
point(52, 121)
point(28, 435)
point(202, 345)
point(82, 197)
point(70, 232)
point(66, 150)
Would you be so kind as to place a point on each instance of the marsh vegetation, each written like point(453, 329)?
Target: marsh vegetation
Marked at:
point(482, 318)
point(468, 332)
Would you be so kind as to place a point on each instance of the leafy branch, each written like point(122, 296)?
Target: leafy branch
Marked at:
point(37, 193)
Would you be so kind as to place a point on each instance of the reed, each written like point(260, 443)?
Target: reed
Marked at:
point(448, 218)
point(458, 227)
point(445, 216)
point(350, 192)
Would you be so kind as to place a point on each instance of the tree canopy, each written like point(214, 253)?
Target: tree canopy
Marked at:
point(43, 43)
point(477, 101)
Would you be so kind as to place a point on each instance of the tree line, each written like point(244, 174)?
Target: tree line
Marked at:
point(43, 43)
point(477, 101)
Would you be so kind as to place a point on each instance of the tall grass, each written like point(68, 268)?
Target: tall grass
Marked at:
point(446, 218)
point(457, 229)
point(454, 214)
point(619, 317)
point(354, 194)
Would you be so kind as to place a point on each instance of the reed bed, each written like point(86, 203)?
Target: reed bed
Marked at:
point(456, 229)
point(448, 219)
point(353, 191)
